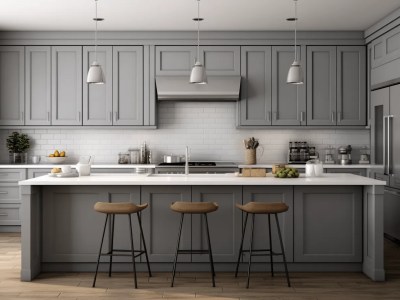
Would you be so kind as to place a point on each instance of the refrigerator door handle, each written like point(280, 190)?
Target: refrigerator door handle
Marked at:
point(387, 144)
point(385, 165)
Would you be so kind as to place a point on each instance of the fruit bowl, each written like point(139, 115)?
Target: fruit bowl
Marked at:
point(56, 160)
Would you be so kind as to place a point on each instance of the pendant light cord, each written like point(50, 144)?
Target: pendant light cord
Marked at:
point(295, 30)
point(198, 30)
point(95, 35)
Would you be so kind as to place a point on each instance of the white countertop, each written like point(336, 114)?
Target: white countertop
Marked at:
point(201, 179)
point(325, 166)
point(95, 166)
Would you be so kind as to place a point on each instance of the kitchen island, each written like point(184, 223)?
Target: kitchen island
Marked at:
point(334, 222)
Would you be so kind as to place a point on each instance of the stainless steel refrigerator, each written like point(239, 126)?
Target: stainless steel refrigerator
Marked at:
point(385, 141)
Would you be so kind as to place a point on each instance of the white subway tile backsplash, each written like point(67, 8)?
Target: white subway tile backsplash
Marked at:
point(207, 128)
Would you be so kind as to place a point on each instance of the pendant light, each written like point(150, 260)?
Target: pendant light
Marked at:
point(95, 74)
point(295, 74)
point(198, 74)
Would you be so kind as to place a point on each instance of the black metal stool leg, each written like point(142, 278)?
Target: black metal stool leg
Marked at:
point(282, 249)
point(101, 246)
point(144, 242)
point(251, 250)
point(133, 250)
point(177, 250)
point(241, 245)
point(210, 252)
point(270, 245)
point(111, 243)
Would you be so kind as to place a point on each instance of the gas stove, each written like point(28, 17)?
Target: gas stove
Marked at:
point(197, 167)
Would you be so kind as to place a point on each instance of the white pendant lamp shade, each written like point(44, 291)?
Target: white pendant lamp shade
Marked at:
point(95, 74)
point(198, 74)
point(295, 74)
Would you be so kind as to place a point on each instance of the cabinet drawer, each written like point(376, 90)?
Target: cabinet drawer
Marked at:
point(9, 214)
point(10, 194)
point(10, 175)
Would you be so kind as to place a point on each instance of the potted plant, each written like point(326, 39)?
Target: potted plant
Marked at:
point(18, 144)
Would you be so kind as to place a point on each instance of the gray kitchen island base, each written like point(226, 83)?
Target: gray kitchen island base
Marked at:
point(327, 228)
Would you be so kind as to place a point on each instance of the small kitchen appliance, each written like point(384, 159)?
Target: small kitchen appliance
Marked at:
point(299, 152)
point(329, 155)
point(365, 155)
point(344, 155)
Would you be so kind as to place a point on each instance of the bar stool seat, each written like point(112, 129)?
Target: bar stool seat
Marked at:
point(257, 208)
point(202, 208)
point(263, 208)
point(194, 207)
point(118, 208)
point(121, 208)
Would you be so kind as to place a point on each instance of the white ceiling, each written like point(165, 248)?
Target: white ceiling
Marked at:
point(177, 14)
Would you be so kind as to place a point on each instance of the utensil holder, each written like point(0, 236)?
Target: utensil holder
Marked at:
point(250, 156)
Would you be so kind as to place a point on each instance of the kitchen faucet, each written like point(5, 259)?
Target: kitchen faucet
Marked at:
point(187, 161)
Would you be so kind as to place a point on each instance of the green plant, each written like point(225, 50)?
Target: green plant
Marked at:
point(18, 143)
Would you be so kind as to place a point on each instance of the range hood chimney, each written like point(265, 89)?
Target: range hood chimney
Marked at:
point(178, 88)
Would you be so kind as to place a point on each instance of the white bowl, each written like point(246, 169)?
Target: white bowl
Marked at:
point(56, 160)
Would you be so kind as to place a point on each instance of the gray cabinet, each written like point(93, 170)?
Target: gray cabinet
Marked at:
point(261, 241)
point(327, 224)
point(12, 85)
point(97, 98)
point(321, 85)
point(288, 100)
point(225, 224)
point(179, 60)
point(37, 85)
point(128, 85)
point(254, 107)
point(33, 173)
point(66, 85)
point(351, 86)
point(161, 225)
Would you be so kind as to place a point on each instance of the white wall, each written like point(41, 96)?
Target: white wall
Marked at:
point(207, 128)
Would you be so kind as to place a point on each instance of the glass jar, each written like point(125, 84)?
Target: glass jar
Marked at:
point(123, 158)
point(134, 156)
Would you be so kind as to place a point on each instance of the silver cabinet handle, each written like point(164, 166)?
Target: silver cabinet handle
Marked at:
point(22, 116)
point(3, 214)
point(302, 116)
point(339, 117)
point(48, 116)
point(116, 116)
point(389, 143)
point(333, 117)
point(275, 115)
point(79, 116)
point(3, 192)
point(110, 116)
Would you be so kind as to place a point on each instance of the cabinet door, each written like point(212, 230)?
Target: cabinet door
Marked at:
point(33, 173)
point(161, 224)
point(12, 85)
point(394, 137)
point(38, 85)
point(97, 98)
point(175, 60)
point(221, 60)
point(261, 240)
point(254, 108)
point(225, 224)
point(288, 100)
point(328, 224)
point(128, 85)
point(66, 85)
point(351, 86)
point(321, 85)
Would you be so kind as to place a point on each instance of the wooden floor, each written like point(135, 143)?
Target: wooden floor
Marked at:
point(326, 286)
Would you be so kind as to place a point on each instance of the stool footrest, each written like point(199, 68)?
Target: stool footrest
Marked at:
point(193, 251)
point(263, 254)
point(139, 252)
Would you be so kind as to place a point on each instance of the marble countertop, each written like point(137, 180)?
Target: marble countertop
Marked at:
point(325, 166)
point(201, 179)
point(95, 166)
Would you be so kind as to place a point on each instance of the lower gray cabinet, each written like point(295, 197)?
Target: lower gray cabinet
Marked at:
point(72, 229)
point(225, 224)
point(327, 224)
point(33, 173)
point(261, 240)
point(161, 224)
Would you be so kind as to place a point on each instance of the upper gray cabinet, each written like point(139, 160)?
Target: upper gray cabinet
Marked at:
point(351, 86)
point(288, 100)
point(254, 107)
point(179, 60)
point(67, 85)
point(38, 85)
point(128, 85)
point(97, 98)
point(12, 85)
point(321, 85)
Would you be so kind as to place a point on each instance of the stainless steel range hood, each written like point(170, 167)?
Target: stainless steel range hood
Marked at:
point(219, 88)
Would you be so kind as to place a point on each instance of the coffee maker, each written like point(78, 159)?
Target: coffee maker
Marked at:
point(344, 155)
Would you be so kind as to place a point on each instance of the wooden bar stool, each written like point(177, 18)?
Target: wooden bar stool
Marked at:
point(124, 208)
point(269, 209)
point(194, 208)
